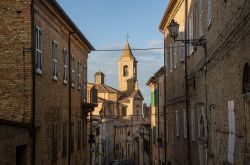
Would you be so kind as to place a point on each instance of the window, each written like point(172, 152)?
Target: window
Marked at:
point(54, 57)
point(124, 111)
point(201, 15)
point(125, 71)
point(166, 60)
point(209, 12)
point(72, 71)
point(64, 66)
point(38, 55)
point(174, 55)
point(191, 31)
point(181, 47)
point(246, 79)
point(177, 123)
point(84, 83)
point(185, 124)
point(154, 135)
point(79, 135)
point(79, 75)
point(54, 142)
point(72, 146)
point(192, 124)
point(231, 127)
point(171, 57)
point(64, 152)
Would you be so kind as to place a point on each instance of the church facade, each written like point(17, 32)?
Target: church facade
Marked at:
point(118, 115)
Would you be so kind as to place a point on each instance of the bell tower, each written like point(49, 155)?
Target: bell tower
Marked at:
point(127, 70)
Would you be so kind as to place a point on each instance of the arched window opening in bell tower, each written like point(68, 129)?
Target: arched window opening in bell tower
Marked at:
point(125, 71)
point(246, 79)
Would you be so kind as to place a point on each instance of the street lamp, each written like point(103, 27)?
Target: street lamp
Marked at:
point(173, 29)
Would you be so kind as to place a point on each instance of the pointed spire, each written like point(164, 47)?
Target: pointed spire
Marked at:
point(127, 52)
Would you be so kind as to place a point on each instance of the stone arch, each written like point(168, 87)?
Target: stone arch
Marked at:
point(125, 71)
point(246, 79)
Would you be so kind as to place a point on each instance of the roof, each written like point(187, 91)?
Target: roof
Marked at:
point(127, 53)
point(151, 79)
point(166, 14)
point(136, 93)
point(159, 72)
point(71, 23)
point(103, 88)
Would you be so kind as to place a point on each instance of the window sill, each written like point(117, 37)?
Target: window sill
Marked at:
point(79, 88)
point(65, 82)
point(55, 78)
point(72, 85)
point(38, 71)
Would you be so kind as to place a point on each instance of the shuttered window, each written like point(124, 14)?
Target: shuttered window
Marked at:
point(54, 57)
point(181, 47)
point(231, 137)
point(177, 123)
point(209, 12)
point(72, 71)
point(64, 66)
point(64, 152)
point(79, 75)
point(171, 57)
point(54, 142)
point(191, 31)
point(154, 135)
point(192, 115)
point(38, 55)
point(185, 124)
point(201, 16)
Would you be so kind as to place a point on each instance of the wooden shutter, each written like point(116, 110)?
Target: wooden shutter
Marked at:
point(231, 136)
point(185, 124)
point(171, 57)
point(177, 123)
point(181, 47)
point(201, 15)
point(191, 32)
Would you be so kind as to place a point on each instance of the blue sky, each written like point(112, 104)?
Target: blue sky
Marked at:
point(105, 24)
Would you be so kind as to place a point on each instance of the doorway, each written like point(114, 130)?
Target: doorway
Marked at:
point(21, 155)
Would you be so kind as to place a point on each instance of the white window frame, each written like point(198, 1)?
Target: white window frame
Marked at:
point(65, 66)
point(38, 55)
point(72, 71)
point(54, 59)
point(209, 13)
point(79, 74)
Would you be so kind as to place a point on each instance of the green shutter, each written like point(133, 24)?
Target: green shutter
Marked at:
point(152, 99)
point(156, 97)
point(154, 135)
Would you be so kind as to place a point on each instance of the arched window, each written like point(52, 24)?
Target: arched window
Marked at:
point(246, 79)
point(125, 71)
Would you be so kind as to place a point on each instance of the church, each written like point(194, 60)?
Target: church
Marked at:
point(118, 116)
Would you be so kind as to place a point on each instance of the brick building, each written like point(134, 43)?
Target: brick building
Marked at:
point(43, 85)
point(218, 80)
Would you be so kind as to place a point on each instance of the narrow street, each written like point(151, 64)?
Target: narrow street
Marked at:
point(125, 82)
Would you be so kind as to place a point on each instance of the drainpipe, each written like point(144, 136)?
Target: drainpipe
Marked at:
point(165, 99)
point(186, 88)
point(33, 80)
point(69, 86)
